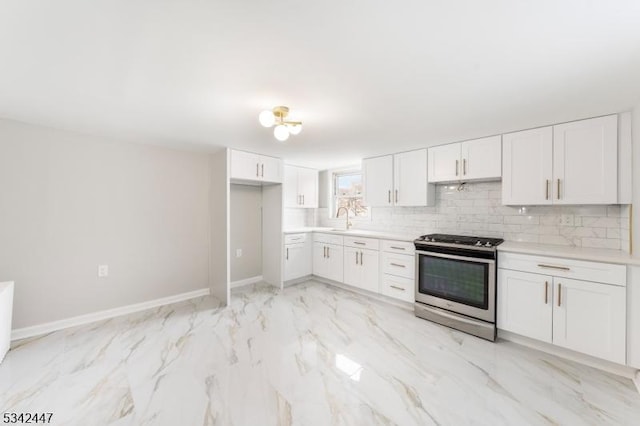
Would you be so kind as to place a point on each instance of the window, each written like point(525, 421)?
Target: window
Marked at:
point(348, 192)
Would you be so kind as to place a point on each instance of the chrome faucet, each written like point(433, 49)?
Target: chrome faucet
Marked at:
point(349, 224)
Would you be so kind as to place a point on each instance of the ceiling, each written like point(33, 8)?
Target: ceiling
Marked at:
point(366, 77)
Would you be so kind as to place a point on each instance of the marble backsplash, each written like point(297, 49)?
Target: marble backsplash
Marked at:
point(477, 210)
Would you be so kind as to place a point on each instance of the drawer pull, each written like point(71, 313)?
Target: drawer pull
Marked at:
point(359, 243)
point(396, 287)
point(398, 248)
point(562, 268)
point(398, 265)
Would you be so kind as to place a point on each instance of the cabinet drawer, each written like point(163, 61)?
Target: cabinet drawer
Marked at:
point(368, 243)
point(400, 265)
point(398, 288)
point(295, 238)
point(566, 268)
point(327, 238)
point(400, 247)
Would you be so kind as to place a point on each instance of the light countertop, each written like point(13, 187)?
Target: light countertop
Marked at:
point(354, 233)
point(579, 253)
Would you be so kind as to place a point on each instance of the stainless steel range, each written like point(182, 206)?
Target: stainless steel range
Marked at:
point(456, 282)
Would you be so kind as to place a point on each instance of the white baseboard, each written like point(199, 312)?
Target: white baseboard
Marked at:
point(600, 364)
point(36, 330)
point(246, 281)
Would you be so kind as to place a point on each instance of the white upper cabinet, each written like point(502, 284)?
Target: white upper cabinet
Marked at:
point(444, 163)
point(571, 163)
point(410, 178)
point(482, 158)
point(585, 161)
point(398, 180)
point(300, 187)
point(247, 166)
point(527, 166)
point(470, 160)
point(378, 181)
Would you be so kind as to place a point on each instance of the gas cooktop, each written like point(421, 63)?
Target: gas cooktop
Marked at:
point(459, 240)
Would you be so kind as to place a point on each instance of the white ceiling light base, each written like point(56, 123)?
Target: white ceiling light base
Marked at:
point(283, 127)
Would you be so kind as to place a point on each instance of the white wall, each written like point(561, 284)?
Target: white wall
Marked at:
point(635, 129)
point(70, 202)
point(246, 231)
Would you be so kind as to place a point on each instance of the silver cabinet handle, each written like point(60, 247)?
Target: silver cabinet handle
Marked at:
point(562, 268)
point(360, 243)
point(324, 253)
point(389, 196)
point(396, 287)
point(546, 185)
point(361, 261)
point(257, 170)
point(328, 253)
point(396, 196)
point(287, 253)
point(464, 166)
point(558, 189)
point(263, 170)
point(559, 294)
point(398, 265)
point(457, 167)
point(397, 248)
point(303, 199)
point(356, 258)
point(546, 292)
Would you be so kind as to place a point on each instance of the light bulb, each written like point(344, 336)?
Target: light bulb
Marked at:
point(295, 129)
point(266, 118)
point(281, 132)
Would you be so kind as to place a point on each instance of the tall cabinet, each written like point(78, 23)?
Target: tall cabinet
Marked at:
point(571, 163)
point(397, 180)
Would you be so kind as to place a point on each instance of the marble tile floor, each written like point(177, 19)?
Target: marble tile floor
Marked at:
point(312, 354)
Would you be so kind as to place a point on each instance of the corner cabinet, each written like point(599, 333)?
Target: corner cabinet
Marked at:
point(397, 180)
point(571, 163)
point(585, 313)
point(250, 167)
point(478, 159)
point(300, 187)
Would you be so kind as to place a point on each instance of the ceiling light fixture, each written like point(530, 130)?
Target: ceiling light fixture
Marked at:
point(283, 128)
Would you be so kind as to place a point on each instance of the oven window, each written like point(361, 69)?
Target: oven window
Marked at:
point(456, 280)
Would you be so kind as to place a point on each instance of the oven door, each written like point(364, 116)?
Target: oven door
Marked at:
point(466, 285)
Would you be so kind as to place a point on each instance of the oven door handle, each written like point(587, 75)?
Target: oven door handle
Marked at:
point(453, 257)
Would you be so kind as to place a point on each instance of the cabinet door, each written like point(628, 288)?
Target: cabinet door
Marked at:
point(295, 261)
point(633, 324)
point(352, 270)
point(370, 267)
point(410, 178)
point(482, 158)
point(308, 187)
point(335, 265)
point(378, 181)
point(444, 163)
point(270, 169)
point(290, 191)
point(527, 159)
point(245, 166)
point(585, 161)
point(590, 318)
point(320, 267)
point(525, 304)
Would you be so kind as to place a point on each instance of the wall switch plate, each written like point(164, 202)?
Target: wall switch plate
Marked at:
point(238, 252)
point(103, 271)
point(566, 220)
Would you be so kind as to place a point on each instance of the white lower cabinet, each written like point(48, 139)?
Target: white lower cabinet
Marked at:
point(525, 303)
point(361, 268)
point(327, 261)
point(584, 316)
point(590, 318)
point(398, 287)
point(297, 261)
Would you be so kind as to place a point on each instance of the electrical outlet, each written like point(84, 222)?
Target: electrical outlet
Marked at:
point(238, 252)
point(103, 271)
point(566, 220)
